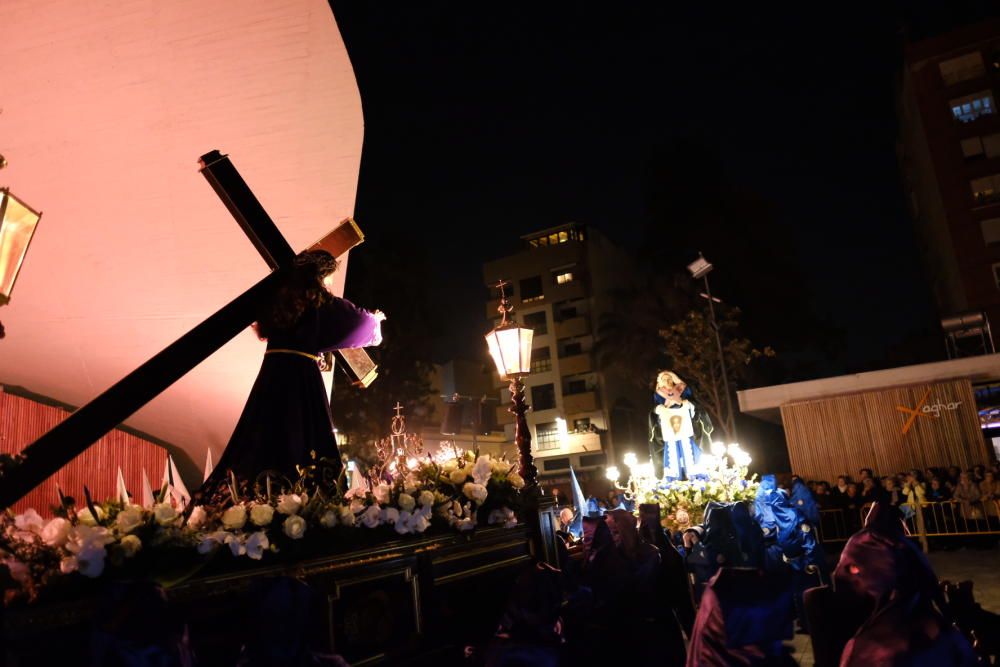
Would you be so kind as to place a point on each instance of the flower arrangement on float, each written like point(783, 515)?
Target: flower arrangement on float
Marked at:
point(453, 491)
point(723, 476)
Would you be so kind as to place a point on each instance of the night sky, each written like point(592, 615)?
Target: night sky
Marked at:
point(483, 126)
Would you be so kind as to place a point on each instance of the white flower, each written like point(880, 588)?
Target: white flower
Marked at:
point(403, 523)
point(426, 499)
point(420, 520)
point(406, 502)
point(448, 466)
point(295, 527)
point(382, 492)
point(165, 514)
point(86, 518)
point(357, 506)
point(211, 541)
point(371, 517)
point(516, 480)
point(329, 519)
point(390, 515)
point(235, 517)
point(257, 544)
point(19, 572)
point(346, 516)
point(458, 475)
point(482, 470)
point(90, 560)
point(29, 521)
point(464, 525)
point(261, 514)
point(290, 503)
point(68, 565)
point(475, 492)
point(129, 519)
point(56, 532)
point(501, 466)
point(198, 517)
point(456, 507)
point(131, 545)
point(236, 545)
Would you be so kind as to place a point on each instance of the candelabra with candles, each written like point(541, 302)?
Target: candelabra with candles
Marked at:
point(397, 451)
point(721, 476)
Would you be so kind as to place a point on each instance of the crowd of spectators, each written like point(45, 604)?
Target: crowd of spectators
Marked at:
point(971, 495)
point(910, 487)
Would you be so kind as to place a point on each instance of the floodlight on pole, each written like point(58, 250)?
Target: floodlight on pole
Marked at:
point(700, 268)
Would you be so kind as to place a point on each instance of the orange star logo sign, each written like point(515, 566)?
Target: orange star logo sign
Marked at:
point(917, 412)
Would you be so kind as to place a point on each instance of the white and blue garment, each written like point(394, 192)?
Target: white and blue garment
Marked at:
point(680, 454)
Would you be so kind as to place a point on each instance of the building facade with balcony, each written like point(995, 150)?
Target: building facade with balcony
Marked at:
point(949, 153)
point(561, 284)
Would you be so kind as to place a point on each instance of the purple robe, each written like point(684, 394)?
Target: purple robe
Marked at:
point(287, 414)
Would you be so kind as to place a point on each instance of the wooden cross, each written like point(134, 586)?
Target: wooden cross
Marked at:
point(398, 409)
point(76, 433)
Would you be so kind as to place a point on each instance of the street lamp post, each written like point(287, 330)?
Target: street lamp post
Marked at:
point(700, 268)
point(510, 347)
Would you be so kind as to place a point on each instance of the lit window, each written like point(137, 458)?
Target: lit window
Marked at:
point(986, 190)
point(562, 278)
point(553, 239)
point(971, 107)
point(963, 68)
point(563, 237)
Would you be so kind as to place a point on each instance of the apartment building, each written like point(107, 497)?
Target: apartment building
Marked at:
point(561, 283)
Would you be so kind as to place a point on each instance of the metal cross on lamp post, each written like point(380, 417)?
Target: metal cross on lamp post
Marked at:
point(510, 347)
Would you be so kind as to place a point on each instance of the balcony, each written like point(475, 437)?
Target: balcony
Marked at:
point(574, 326)
point(571, 443)
point(576, 403)
point(576, 364)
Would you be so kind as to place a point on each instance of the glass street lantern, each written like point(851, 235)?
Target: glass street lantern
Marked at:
point(510, 347)
point(509, 344)
point(17, 226)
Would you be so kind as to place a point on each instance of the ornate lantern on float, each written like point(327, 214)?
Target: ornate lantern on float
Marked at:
point(510, 347)
point(17, 227)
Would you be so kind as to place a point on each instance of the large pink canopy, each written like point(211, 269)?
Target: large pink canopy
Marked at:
point(106, 109)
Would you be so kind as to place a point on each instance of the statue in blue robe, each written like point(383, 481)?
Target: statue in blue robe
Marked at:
point(678, 429)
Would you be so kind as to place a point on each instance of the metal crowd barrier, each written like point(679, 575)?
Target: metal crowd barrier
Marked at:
point(938, 520)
